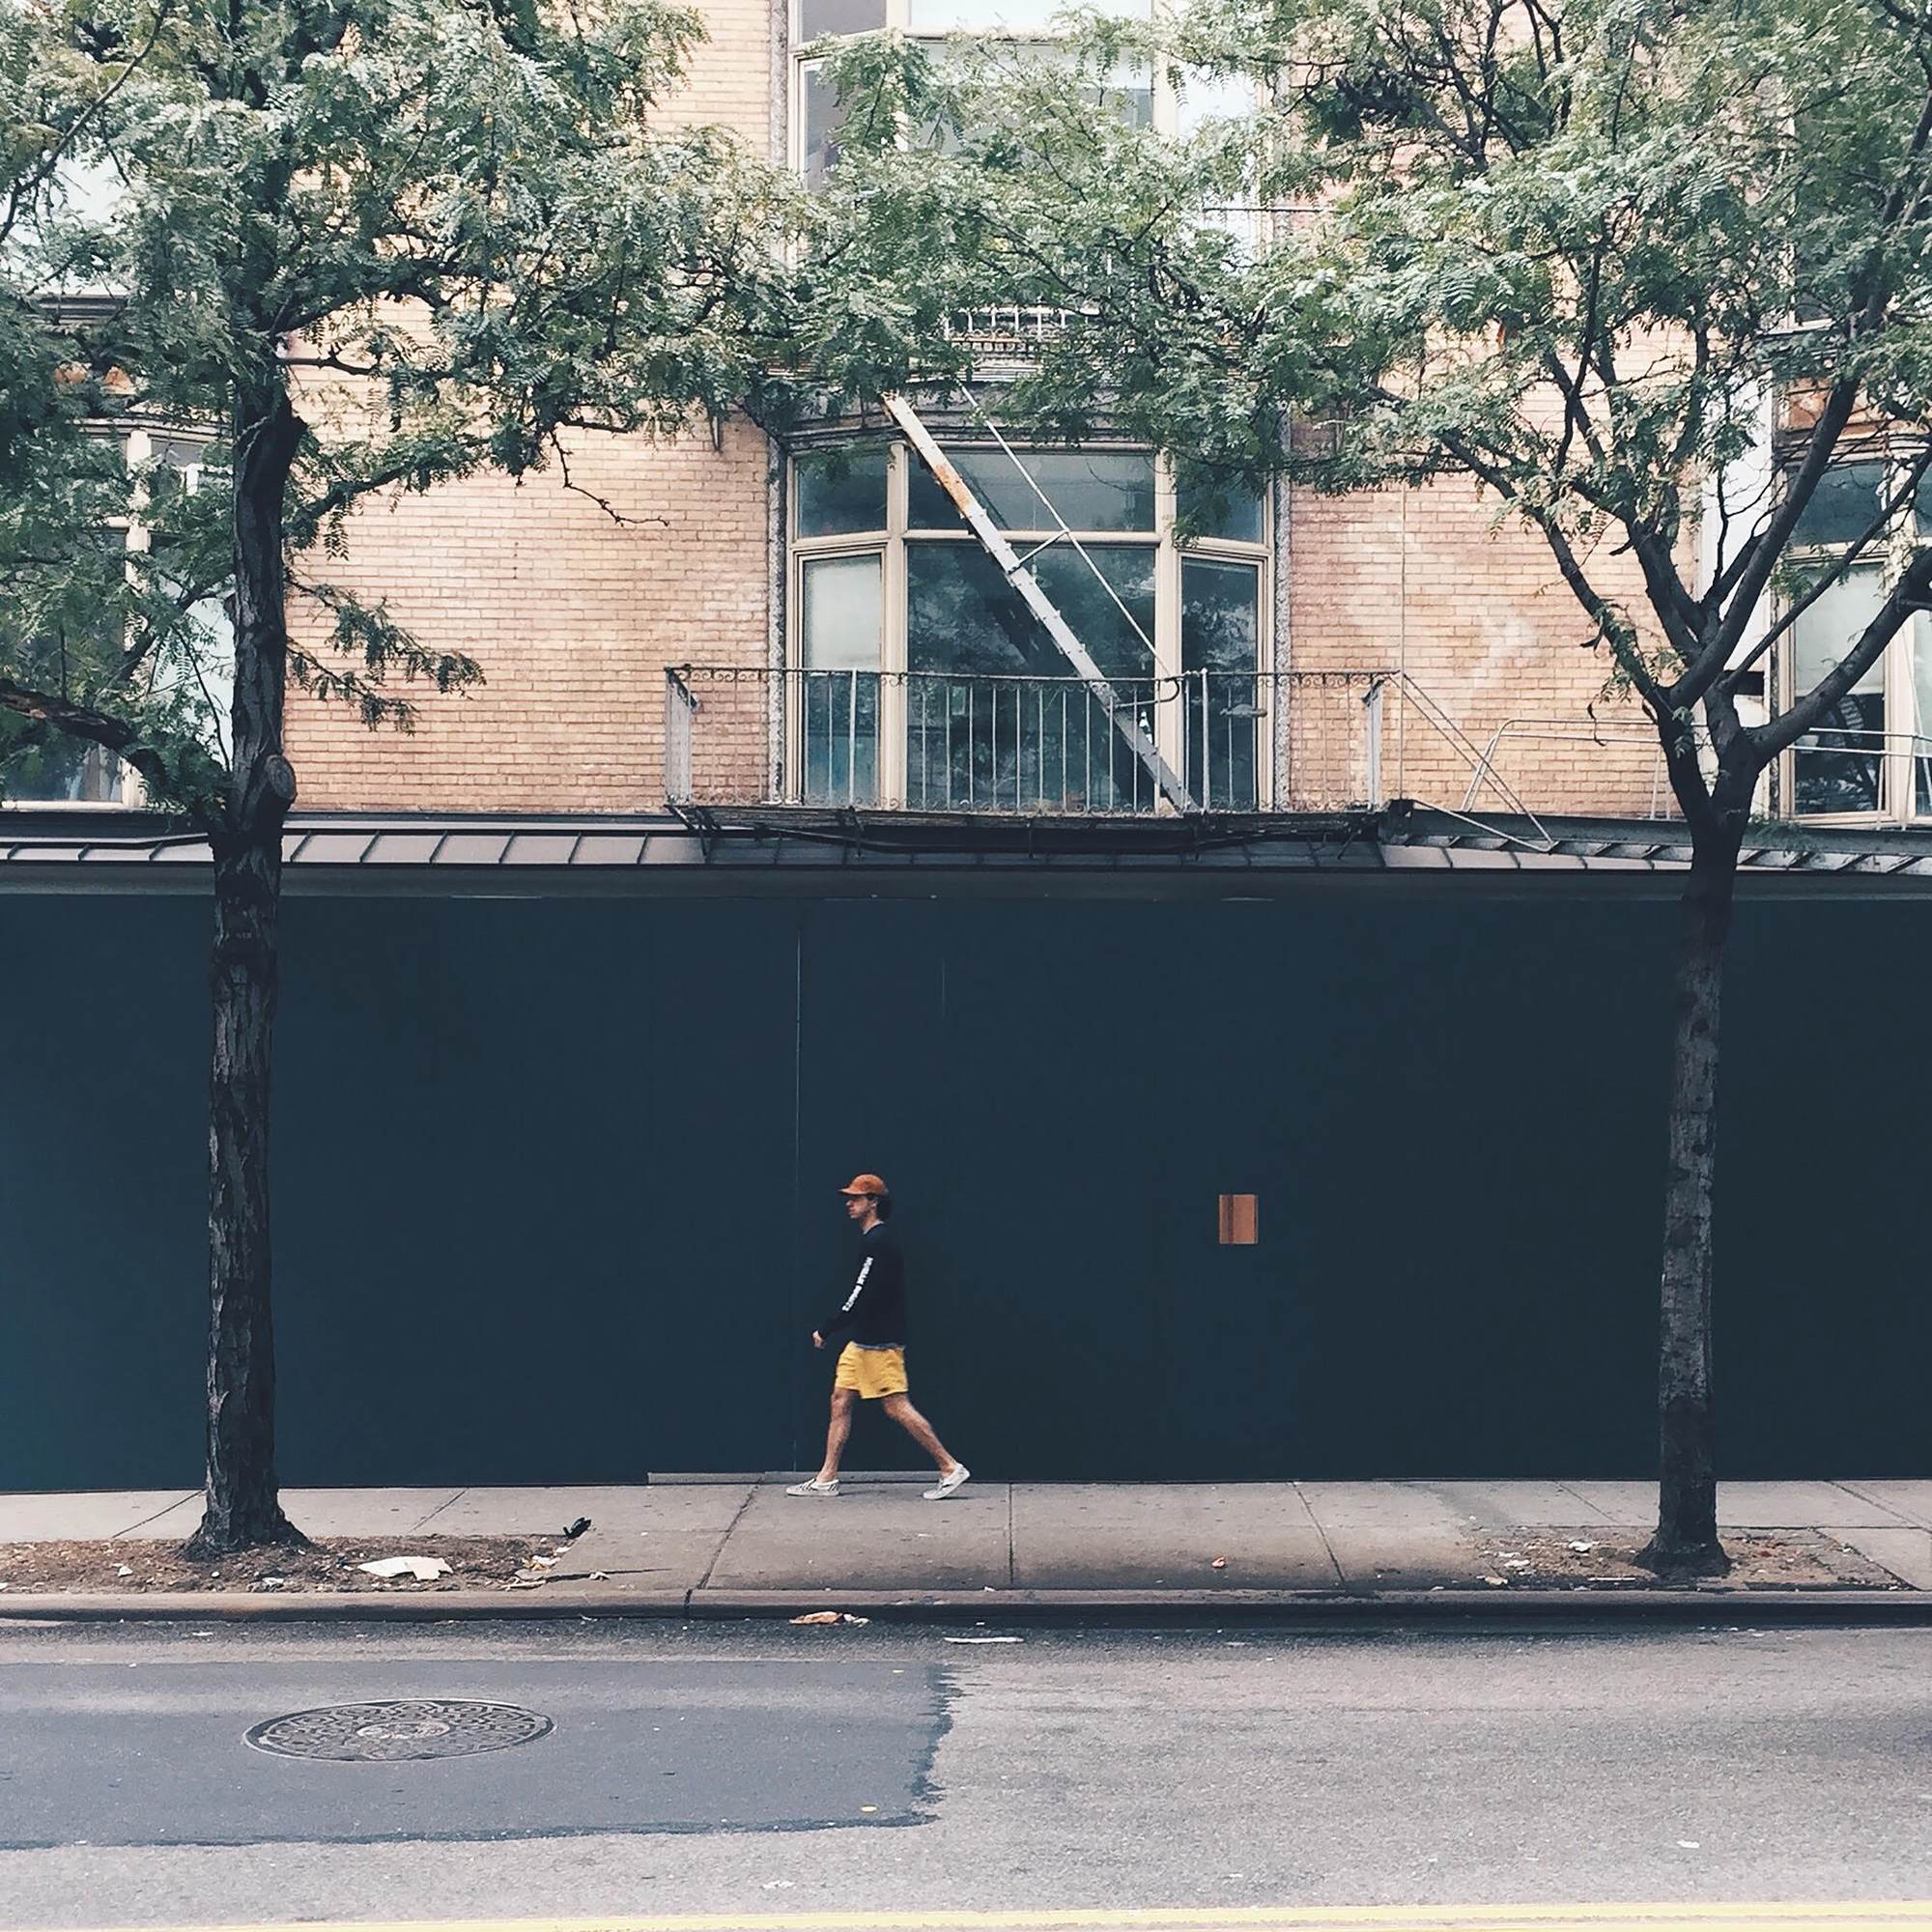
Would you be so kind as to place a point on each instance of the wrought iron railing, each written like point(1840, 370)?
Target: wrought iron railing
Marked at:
point(1841, 770)
point(958, 742)
point(1293, 742)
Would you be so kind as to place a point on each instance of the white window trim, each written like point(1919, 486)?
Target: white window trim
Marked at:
point(1166, 98)
point(891, 546)
point(139, 535)
point(1907, 736)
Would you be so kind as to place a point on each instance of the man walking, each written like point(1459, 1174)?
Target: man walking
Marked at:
point(871, 1365)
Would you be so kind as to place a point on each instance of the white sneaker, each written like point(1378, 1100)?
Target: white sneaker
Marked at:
point(947, 1483)
point(815, 1487)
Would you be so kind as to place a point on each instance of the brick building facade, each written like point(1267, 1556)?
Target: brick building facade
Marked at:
point(561, 1070)
point(575, 612)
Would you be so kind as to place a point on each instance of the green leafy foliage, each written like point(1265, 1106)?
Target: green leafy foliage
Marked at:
point(1570, 249)
point(449, 232)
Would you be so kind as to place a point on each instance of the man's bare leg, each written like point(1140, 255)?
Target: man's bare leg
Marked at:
point(836, 1432)
point(900, 1407)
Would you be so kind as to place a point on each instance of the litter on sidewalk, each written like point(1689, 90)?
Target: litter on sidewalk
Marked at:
point(424, 1569)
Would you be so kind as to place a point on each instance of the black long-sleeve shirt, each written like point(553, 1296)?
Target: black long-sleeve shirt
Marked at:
point(874, 1308)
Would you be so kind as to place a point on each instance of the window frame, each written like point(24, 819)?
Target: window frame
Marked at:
point(1168, 117)
point(892, 545)
point(1907, 738)
point(184, 452)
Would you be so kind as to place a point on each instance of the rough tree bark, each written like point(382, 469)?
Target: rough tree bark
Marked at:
point(243, 1507)
point(1686, 1543)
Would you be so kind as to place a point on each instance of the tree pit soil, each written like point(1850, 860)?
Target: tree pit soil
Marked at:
point(329, 1564)
point(1761, 1559)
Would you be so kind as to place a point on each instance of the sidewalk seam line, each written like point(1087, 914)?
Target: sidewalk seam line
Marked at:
point(1603, 1515)
point(1904, 1522)
point(1327, 1547)
point(186, 1495)
point(738, 1516)
point(448, 1502)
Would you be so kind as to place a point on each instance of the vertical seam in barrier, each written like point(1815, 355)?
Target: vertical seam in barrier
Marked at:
point(1011, 1570)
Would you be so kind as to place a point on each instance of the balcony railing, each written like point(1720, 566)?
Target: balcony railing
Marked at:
point(951, 742)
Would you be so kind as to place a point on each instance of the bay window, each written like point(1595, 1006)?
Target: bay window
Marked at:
point(1871, 755)
point(921, 678)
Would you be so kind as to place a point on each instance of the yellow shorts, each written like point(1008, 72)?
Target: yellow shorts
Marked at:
point(871, 1372)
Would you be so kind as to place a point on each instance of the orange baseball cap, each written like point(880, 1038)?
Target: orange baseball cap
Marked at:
point(866, 1183)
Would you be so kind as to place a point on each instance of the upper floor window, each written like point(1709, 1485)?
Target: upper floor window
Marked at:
point(816, 112)
point(921, 676)
point(1872, 754)
point(135, 574)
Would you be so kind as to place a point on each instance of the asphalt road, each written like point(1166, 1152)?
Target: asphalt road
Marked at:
point(752, 1769)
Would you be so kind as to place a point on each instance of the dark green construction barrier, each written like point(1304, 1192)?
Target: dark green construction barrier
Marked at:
point(555, 1184)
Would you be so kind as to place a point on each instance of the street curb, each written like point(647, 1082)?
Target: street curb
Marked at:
point(1691, 1605)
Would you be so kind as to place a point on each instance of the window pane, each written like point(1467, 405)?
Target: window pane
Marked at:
point(1219, 96)
point(1921, 690)
point(82, 638)
point(839, 687)
point(1837, 767)
point(1842, 507)
point(995, 716)
point(1093, 490)
point(1220, 644)
point(824, 114)
point(839, 497)
point(1235, 518)
point(988, 16)
point(842, 613)
point(839, 16)
point(61, 771)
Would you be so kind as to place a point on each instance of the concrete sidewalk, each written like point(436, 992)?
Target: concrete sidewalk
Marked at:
point(738, 1545)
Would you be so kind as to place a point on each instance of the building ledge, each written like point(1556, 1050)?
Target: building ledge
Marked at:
point(800, 850)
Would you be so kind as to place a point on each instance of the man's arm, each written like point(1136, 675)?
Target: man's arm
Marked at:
point(848, 1310)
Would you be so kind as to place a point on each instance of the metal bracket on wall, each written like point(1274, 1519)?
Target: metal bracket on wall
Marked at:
point(1021, 577)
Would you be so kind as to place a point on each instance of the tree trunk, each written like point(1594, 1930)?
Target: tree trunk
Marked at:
point(1687, 1542)
point(244, 1505)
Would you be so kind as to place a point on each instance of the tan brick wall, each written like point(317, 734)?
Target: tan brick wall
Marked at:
point(572, 615)
point(730, 77)
point(1426, 581)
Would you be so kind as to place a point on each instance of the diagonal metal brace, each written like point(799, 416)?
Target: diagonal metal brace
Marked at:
point(1022, 578)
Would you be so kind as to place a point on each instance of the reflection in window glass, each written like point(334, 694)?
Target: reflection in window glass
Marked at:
point(1093, 490)
point(995, 716)
point(1009, 17)
point(1220, 651)
point(1839, 766)
point(839, 701)
point(1203, 96)
point(824, 114)
point(842, 613)
point(1843, 505)
point(62, 771)
point(1922, 692)
point(81, 643)
point(1235, 517)
point(1127, 94)
point(839, 16)
point(836, 499)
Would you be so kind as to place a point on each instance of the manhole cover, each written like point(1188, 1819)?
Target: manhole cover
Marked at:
point(415, 1728)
